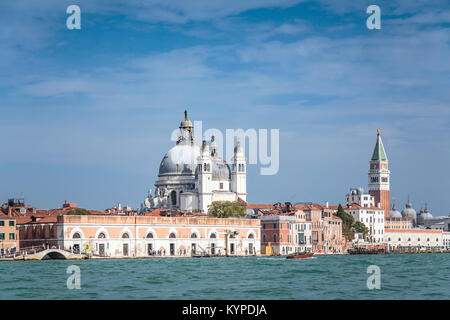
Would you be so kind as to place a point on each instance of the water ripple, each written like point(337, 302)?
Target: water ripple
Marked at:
point(403, 276)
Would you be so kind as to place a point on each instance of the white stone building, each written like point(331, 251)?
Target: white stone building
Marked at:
point(357, 195)
point(372, 217)
point(446, 239)
point(191, 177)
point(413, 238)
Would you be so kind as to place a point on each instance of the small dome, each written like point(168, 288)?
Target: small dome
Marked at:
point(409, 211)
point(425, 214)
point(181, 159)
point(186, 123)
point(394, 213)
point(220, 169)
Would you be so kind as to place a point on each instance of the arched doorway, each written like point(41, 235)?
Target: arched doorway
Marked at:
point(251, 248)
point(76, 246)
point(150, 248)
point(193, 244)
point(101, 244)
point(213, 245)
point(172, 235)
point(125, 246)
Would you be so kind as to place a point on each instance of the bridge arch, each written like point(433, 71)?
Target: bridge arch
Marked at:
point(53, 255)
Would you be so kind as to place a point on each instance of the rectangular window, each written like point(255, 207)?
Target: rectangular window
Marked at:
point(2, 223)
point(11, 223)
point(2, 236)
point(274, 225)
point(221, 186)
point(264, 226)
point(11, 236)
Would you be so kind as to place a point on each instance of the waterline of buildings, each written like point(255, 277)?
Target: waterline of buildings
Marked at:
point(174, 222)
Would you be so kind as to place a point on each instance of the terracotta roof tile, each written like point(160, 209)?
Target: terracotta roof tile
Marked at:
point(260, 206)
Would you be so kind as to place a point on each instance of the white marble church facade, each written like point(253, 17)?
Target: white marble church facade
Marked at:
point(191, 177)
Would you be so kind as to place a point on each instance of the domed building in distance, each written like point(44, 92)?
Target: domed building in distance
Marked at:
point(424, 215)
point(191, 177)
point(395, 213)
point(409, 213)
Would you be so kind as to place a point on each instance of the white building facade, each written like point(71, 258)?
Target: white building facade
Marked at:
point(357, 195)
point(413, 238)
point(372, 217)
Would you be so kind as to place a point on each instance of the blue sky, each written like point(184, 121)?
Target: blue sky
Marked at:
point(86, 115)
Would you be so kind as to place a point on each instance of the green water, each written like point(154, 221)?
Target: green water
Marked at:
point(403, 276)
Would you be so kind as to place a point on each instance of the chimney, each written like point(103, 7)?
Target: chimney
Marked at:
point(9, 212)
point(326, 204)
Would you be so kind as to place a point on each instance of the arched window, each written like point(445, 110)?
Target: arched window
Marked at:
point(212, 236)
point(264, 238)
point(399, 239)
point(125, 236)
point(428, 239)
point(101, 235)
point(274, 238)
point(76, 235)
point(389, 239)
point(409, 239)
point(173, 197)
point(149, 235)
point(251, 236)
point(193, 235)
point(172, 235)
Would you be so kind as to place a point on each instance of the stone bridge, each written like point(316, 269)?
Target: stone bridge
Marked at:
point(52, 254)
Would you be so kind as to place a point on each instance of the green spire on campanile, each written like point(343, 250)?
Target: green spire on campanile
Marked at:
point(378, 152)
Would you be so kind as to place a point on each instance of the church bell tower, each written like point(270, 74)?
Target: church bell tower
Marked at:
point(239, 173)
point(379, 183)
point(204, 178)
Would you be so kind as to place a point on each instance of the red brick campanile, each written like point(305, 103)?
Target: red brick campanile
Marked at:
point(379, 176)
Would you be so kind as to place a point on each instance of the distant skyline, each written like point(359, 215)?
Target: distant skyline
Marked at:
point(86, 115)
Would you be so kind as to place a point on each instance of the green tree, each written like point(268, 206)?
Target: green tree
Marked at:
point(225, 209)
point(347, 223)
point(361, 228)
point(78, 212)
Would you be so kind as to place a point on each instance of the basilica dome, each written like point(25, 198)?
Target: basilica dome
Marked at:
point(409, 211)
point(181, 159)
point(394, 213)
point(220, 169)
point(425, 215)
